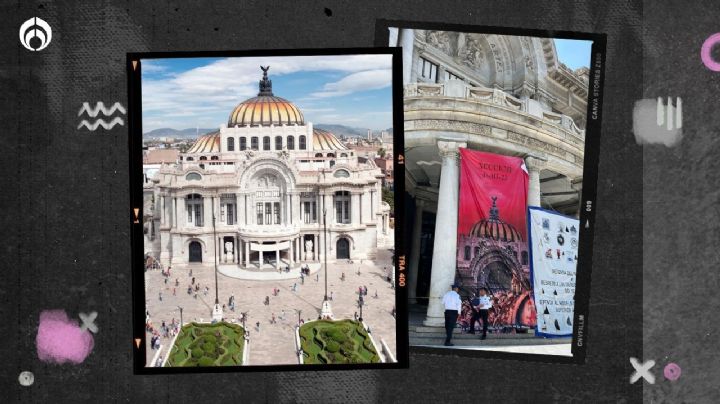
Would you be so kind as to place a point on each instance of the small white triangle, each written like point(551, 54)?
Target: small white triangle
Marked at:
point(587, 224)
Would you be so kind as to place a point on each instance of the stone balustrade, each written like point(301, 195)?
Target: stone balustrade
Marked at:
point(458, 89)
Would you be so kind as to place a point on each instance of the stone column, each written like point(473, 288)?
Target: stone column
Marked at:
point(355, 208)
point(407, 41)
point(247, 254)
point(240, 208)
point(261, 258)
point(207, 208)
point(277, 257)
point(445, 245)
point(415, 251)
point(291, 251)
point(534, 165)
point(576, 184)
point(182, 215)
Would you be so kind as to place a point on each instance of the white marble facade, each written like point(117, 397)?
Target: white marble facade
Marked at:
point(258, 189)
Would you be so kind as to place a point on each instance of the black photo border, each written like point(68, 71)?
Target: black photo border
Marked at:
point(589, 188)
point(134, 67)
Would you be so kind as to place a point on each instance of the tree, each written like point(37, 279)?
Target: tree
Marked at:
point(389, 197)
point(381, 152)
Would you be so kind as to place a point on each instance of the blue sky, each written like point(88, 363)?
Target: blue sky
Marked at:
point(573, 52)
point(353, 90)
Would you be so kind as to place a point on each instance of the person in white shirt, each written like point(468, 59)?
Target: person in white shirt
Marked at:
point(482, 304)
point(451, 301)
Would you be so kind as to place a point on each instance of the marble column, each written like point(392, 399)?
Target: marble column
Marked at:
point(277, 258)
point(576, 184)
point(291, 252)
point(173, 221)
point(407, 41)
point(247, 254)
point(207, 211)
point(534, 165)
point(163, 211)
point(182, 214)
point(261, 258)
point(445, 245)
point(415, 251)
point(355, 208)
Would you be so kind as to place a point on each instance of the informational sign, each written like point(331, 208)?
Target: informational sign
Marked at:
point(554, 240)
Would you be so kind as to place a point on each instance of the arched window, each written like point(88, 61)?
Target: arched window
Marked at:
point(291, 143)
point(203, 158)
point(278, 142)
point(302, 146)
point(214, 157)
point(243, 143)
point(190, 159)
point(332, 163)
point(331, 155)
point(266, 143)
point(318, 155)
point(231, 144)
point(524, 256)
point(341, 174)
point(467, 253)
point(193, 177)
point(343, 155)
point(254, 143)
point(477, 251)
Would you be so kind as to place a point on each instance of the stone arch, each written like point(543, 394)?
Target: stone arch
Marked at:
point(279, 169)
point(500, 256)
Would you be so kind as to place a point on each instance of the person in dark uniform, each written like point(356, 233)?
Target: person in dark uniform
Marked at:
point(451, 301)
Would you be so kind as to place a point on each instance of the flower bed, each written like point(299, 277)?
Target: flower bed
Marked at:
point(332, 342)
point(219, 344)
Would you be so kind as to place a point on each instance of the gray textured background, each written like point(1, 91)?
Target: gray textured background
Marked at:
point(66, 209)
point(681, 225)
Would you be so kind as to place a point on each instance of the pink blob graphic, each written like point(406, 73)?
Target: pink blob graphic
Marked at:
point(705, 55)
point(672, 371)
point(61, 340)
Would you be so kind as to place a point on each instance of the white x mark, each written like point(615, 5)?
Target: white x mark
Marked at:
point(642, 370)
point(89, 322)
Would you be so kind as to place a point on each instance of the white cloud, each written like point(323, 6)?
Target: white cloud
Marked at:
point(194, 94)
point(360, 81)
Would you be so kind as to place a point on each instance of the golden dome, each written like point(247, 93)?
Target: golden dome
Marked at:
point(208, 143)
point(265, 109)
point(324, 140)
point(494, 228)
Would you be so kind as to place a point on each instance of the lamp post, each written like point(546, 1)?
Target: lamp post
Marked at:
point(181, 321)
point(360, 305)
point(299, 313)
point(217, 311)
point(326, 311)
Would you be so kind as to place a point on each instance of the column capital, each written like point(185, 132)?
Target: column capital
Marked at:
point(534, 163)
point(450, 148)
point(576, 183)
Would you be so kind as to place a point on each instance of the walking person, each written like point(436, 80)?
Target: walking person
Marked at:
point(160, 296)
point(453, 305)
point(482, 304)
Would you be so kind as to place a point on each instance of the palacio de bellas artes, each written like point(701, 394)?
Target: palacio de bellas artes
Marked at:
point(269, 223)
point(506, 95)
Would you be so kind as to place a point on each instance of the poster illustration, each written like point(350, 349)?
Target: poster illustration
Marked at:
point(554, 252)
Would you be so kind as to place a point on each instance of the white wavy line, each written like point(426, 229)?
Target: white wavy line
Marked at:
point(100, 122)
point(101, 107)
point(428, 163)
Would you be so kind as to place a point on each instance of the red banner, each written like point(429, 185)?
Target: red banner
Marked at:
point(492, 236)
point(487, 175)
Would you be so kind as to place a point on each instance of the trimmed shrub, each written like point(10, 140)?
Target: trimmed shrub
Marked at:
point(205, 361)
point(332, 346)
point(197, 352)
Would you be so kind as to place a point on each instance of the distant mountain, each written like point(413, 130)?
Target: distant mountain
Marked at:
point(188, 133)
point(348, 131)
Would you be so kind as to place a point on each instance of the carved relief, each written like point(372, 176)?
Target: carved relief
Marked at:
point(471, 54)
point(440, 40)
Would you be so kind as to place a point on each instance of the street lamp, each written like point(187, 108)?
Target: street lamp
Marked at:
point(217, 313)
point(181, 321)
point(326, 312)
point(360, 305)
point(299, 313)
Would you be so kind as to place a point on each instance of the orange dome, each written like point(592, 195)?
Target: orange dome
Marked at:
point(494, 228)
point(265, 109)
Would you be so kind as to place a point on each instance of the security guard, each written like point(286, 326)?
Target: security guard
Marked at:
point(452, 303)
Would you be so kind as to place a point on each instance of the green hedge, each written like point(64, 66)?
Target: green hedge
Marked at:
point(342, 341)
point(219, 344)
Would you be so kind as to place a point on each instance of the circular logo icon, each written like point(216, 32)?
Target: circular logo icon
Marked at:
point(35, 34)
point(560, 239)
point(672, 371)
point(26, 378)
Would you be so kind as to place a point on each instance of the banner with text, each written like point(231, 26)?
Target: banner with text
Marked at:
point(554, 240)
point(492, 251)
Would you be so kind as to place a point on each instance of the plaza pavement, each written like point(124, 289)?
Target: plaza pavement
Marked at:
point(274, 344)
